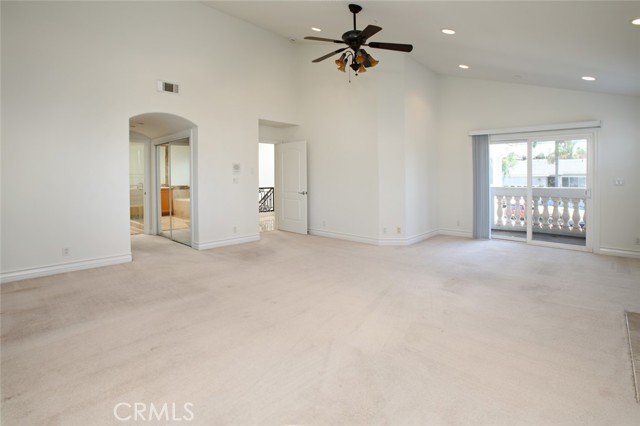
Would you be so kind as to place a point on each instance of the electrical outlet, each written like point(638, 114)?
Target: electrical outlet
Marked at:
point(618, 182)
point(638, 241)
point(235, 229)
point(66, 251)
point(324, 223)
point(399, 230)
point(384, 230)
point(458, 222)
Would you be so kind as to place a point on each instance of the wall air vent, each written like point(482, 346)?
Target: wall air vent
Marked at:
point(164, 86)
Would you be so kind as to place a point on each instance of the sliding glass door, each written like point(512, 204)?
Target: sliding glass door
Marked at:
point(174, 190)
point(540, 189)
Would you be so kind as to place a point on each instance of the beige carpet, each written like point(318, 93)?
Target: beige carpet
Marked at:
point(313, 331)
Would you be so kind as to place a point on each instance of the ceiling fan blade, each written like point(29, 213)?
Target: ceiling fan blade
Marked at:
point(370, 31)
point(328, 55)
point(330, 40)
point(391, 46)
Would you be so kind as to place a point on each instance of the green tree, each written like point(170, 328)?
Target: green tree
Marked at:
point(508, 163)
point(566, 151)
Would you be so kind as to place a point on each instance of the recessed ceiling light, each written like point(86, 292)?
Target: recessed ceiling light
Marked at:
point(464, 67)
point(636, 21)
point(448, 31)
point(587, 78)
point(316, 29)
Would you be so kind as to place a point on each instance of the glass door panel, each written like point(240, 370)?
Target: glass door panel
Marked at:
point(552, 172)
point(559, 183)
point(174, 190)
point(164, 190)
point(180, 177)
point(508, 190)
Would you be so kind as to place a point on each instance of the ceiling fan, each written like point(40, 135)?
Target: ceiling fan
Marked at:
point(355, 39)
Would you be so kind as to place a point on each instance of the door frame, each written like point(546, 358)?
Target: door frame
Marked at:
point(591, 193)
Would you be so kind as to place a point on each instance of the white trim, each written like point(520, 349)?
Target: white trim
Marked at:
point(44, 271)
point(343, 236)
point(455, 233)
point(421, 237)
point(618, 252)
point(225, 242)
point(540, 128)
point(374, 241)
point(269, 141)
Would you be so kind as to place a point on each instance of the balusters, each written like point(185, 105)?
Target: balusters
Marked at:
point(565, 215)
point(522, 212)
point(536, 213)
point(499, 210)
point(511, 205)
point(575, 216)
point(545, 214)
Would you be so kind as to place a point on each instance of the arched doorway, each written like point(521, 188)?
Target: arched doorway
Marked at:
point(162, 176)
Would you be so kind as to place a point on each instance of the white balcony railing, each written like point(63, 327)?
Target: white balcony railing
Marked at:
point(559, 211)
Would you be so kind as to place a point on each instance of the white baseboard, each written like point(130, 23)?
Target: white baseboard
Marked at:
point(374, 241)
point(618, 252)
point(225, 242)
point(44, 271)
point(343, 236)
point(455, 233)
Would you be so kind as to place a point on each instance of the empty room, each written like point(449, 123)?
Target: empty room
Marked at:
point(320, 213)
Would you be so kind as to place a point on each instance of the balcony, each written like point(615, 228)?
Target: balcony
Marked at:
point(556, 212)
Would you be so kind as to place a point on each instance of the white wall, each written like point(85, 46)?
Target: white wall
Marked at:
point(372, 143)
point(339, 120)
point(468, 104)
point(72, 75)
point(422, 118)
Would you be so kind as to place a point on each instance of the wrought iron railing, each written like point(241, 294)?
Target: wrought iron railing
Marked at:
point(265, 199)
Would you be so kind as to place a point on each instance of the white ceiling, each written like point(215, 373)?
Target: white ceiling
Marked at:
point(547, 43)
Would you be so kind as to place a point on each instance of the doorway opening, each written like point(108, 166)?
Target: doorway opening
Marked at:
point(540, 189)
point(162, 159)
point(266, 186)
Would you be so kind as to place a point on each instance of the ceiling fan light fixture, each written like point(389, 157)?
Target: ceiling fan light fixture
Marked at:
point(356, 58)
point(636, 21)
point(342, 63)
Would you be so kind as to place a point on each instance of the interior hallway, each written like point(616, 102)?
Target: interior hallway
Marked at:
point(307, 330)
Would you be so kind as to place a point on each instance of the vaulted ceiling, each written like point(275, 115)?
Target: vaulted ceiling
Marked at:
point(546, 43)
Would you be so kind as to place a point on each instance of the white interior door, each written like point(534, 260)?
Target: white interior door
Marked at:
point(291, 186)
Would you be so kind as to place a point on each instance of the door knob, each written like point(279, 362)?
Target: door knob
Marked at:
point(303, 193)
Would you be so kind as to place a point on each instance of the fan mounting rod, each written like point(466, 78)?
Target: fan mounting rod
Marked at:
point(354, 8)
